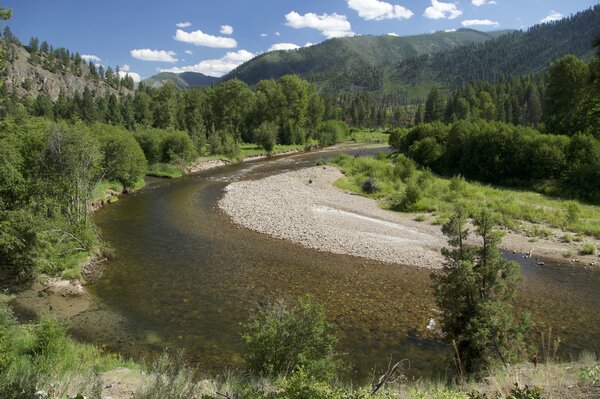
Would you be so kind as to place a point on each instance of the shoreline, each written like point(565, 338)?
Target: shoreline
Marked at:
point(304, 207)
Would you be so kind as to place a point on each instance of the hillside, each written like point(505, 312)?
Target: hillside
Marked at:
point(351, 53)
point(517, 53)
point(26, 76)
point(413, 64)
point(183, 80)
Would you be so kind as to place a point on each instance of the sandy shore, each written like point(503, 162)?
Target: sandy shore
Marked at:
point(304, 207)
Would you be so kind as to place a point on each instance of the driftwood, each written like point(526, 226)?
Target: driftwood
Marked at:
point(389, 376)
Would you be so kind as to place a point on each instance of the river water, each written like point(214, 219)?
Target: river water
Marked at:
point(184, 277)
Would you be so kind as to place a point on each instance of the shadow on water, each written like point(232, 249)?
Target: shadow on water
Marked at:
point(185, 277)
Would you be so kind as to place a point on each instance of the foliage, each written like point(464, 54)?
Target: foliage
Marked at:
point(475, 293)
point(331, 132)
point(591, 375)
point(282, 338)
point(588, 249)
point(265, 136)
point(526, 392)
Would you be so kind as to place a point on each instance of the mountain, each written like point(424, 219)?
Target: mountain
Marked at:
point(183, 80)
point(413, 64)
point(29, 74)
point(517, 53)
point(357, 53)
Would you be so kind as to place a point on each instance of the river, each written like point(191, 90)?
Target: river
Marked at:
point(184, 277)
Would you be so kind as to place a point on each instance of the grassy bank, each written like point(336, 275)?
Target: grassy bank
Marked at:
point(401, 186)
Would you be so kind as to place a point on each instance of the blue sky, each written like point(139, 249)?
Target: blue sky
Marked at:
point(212, 37)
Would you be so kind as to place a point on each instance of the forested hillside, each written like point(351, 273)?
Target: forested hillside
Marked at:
point(40, 68)
point(517, 53)
point(183, 80)
point(352, 61)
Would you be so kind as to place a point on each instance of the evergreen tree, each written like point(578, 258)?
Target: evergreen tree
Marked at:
point(475, 293)
point(434, 106)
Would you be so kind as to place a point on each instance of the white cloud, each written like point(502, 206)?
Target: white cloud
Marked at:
point(393, 34)
point(91, 57)
point(308, 44)
point(216, 67)
point(283, 46)
point(135, 76)
point(333, 25)
point(479, 3)
point(441, 10)
point(153, 55)
point(277, 34)
point(479, 22)
point(378, 10)
point(263, 35)
point(450, 30)
point(183, 24)
point(553, 16)
point(188, 52)
point(199, 38)
point(226, 29)
point(125, 68)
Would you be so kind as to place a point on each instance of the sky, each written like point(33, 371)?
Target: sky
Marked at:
point(144, 37)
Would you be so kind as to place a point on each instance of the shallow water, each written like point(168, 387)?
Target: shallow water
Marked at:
point(186, 278)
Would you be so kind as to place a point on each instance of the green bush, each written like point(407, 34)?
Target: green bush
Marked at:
point(331, 132)
point(282, 338)
point(265, 135)
point(124, 159)
point(588, 249)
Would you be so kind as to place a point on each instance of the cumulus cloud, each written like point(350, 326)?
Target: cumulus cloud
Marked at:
point(153, 55)
point(134, 75)
point(199, 38)
point(216, 67)
point(91, 57)
point(308, 44)
point(226, 29)
point(277, 34)
point(553, 16)
point(479, 3)
point(441, 10)
point(125, 68)
point(378, 10)
point(450, 30)
point(188, 52)
point(263, 35)
point(183, 24)
point(479, 22)
point(393, 34)
point(333, 25)
point(283, 46)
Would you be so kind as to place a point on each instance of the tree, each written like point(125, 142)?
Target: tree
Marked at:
point(265, 135)
point(475, 293)
point(5, 14)
point(434, 106)
point(567, 79)
point(283, 338)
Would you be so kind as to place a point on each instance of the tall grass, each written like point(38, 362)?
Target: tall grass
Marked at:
point(402, 186)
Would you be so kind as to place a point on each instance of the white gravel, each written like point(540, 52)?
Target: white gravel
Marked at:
point(304, 207)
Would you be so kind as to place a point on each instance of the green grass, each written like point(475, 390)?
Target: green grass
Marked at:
point(369, 137)
point(165, 170)
point(250, 150)
point(433, 194)
point(40, 357)
point(588, 249)
point(102, 187)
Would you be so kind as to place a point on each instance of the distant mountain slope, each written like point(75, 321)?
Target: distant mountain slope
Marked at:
point(351, 54)
point(183, 80)
point(516, 53)
point(27, 78)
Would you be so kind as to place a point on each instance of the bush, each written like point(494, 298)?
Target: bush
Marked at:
point(396, 138)
point(282, 338)
point(588, 249)
point(331, 132)
point(369, 186)
point(405, 201)
point(265, 135)
point(124, 159)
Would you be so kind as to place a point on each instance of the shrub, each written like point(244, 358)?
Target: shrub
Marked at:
point(331, 131)
point(396, 138)
point(265, 135)
point(123, 158)
point(369, 186)
point(588, 249)
point(284, 337)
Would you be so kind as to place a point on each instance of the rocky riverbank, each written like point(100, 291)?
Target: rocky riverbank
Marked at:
point(304, 207)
